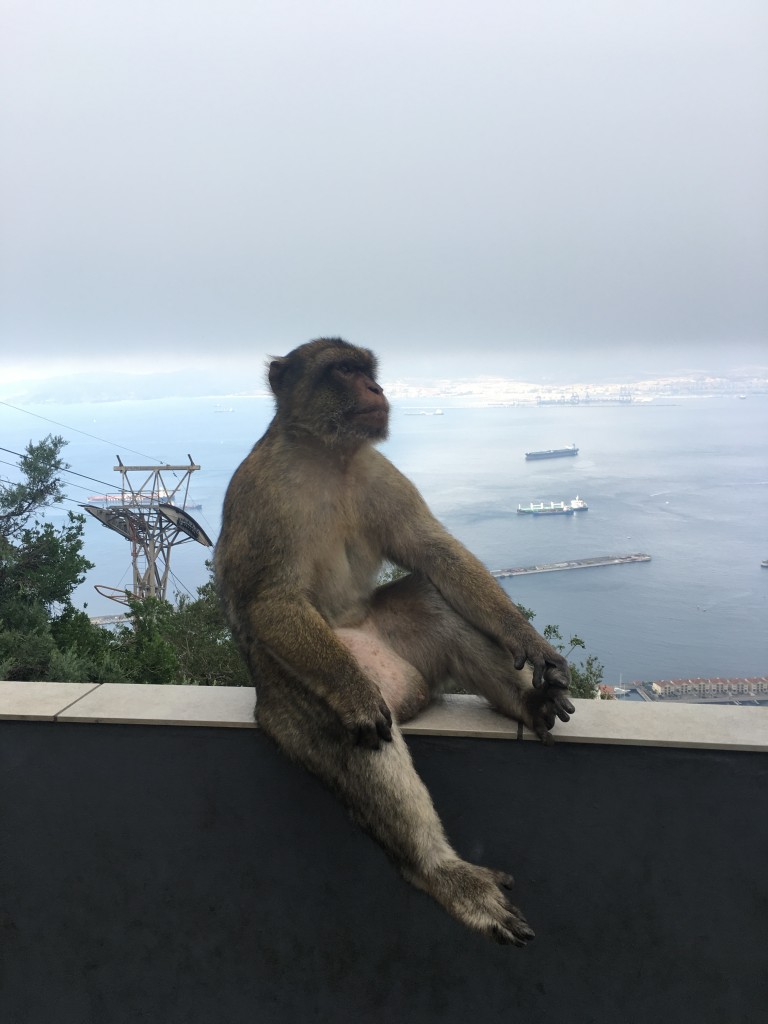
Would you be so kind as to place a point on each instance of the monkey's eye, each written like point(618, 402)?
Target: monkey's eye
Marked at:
point(346, 368)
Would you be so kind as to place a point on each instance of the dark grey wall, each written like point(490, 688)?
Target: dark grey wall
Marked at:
point(168, 875)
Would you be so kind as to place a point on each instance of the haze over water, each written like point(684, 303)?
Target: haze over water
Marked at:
point(686, 482)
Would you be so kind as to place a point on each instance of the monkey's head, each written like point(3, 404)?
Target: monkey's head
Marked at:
point(327, 389)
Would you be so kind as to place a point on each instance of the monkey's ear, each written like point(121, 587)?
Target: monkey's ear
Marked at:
point(277, 370)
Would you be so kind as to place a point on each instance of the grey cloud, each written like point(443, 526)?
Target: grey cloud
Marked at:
point(419, 176)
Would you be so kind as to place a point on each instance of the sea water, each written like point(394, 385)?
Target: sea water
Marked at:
point(685, 481)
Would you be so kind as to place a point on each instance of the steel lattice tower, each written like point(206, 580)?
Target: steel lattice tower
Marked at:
point(150, 512)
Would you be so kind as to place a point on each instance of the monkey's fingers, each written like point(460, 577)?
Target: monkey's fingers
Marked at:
point(370, 734)
point(550, 671)
point(537, 662)
point(520, 659)
point(557, 673)
point(539, 668)
point(367, 736)
point(384, 722)
point(384, 729)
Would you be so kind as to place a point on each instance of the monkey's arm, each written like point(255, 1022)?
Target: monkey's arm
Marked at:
point(468, 586)
point(417, 541)
point(297, 637)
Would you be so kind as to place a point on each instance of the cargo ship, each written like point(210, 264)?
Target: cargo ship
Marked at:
point(553, 453)
point(545, 508)
point(553, 508)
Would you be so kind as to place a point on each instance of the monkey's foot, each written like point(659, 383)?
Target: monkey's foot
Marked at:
point(474, 895)
point(542, 706)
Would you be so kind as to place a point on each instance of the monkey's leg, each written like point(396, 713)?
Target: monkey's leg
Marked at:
point(386, 797)
point(418, 623)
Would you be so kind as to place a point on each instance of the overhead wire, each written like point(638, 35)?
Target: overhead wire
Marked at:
point(85, 433)
point(179, 582)
point(71, 472)
point(12, 483)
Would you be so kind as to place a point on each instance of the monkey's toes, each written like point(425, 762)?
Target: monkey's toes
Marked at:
point(475, 895)
point(502, 878)
point(544, 708)
point(513, 931)
point(564, 709)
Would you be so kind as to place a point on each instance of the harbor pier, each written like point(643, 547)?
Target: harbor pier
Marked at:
point(576, 563)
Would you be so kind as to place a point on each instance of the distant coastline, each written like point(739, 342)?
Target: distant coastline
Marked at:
point(78, 389)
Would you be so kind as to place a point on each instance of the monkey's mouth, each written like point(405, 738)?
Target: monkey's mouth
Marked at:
point(374, 414)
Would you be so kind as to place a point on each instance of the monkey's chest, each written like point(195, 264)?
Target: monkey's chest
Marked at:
point(340, 554)
point(342, 578)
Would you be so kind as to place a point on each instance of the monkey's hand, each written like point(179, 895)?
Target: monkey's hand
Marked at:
point(547, 699)
point(550, 669)
point(368, 721)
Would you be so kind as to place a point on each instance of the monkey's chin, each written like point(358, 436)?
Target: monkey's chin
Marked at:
point(375, 433)
point(373, 424)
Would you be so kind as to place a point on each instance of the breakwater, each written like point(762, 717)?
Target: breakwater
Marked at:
point(576, 563)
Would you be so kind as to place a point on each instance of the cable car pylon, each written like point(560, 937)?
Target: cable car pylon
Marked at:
point(149, 512)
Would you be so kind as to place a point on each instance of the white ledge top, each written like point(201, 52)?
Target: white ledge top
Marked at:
point(654, 724)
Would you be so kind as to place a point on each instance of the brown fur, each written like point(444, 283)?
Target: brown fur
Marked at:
point(338, 662)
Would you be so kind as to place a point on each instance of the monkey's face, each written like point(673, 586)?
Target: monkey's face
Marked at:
point(327, 388)
point(364, 405)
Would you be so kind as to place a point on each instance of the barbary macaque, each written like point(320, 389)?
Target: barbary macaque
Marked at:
point(338, 661)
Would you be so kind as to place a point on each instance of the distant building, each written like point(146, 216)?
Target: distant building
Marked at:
point(755, 687)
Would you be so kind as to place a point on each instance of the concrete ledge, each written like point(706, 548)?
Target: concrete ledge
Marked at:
point(129, 704)
point(40, 701)
point(720, 727)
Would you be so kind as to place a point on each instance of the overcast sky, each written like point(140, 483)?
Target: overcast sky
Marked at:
point(489, 186)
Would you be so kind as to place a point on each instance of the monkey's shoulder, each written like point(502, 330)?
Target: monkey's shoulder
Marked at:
point(388, 491)
point(289, 495)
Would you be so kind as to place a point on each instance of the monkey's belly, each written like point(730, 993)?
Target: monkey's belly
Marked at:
point(402, 686)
